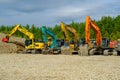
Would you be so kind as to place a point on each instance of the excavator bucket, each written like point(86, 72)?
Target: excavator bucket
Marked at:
point(5, 39)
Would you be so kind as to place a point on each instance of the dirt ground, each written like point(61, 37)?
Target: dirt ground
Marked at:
point(58, 67)
point(15, 66)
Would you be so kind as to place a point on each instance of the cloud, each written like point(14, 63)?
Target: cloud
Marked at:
point(51, 12)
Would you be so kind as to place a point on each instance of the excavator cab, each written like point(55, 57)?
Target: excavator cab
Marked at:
point(59, 43)
point(49, 41)
point(81, 41)
point(105, 42)
point(28, 42)
point(72, 41)
point(117, 46)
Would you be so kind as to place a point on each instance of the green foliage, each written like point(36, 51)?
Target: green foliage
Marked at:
point(109, 26)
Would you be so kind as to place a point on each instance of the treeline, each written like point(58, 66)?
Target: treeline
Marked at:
point(109, 26)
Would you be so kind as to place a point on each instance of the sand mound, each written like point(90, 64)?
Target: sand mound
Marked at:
point(13, 46)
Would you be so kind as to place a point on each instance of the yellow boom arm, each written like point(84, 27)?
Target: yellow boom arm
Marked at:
point(21, 29)
point(66, 28)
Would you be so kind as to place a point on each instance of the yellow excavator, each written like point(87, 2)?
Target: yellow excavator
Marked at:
point(32, 45)
point(70, 46)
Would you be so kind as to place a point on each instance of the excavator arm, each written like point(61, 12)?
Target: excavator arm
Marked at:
point(45, 31)
point(21, 29)
point(64, 31)
point(66, 28)
point(91, 24)
point(74, 33)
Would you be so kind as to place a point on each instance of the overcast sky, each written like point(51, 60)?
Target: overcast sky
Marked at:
point(51, 12)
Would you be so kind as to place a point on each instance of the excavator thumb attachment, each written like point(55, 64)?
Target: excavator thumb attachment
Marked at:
point(6, 39)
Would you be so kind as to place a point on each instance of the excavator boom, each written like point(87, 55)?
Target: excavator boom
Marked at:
point(21, 29)
point(91, 24)
point(45, 31)
point(66, 28)
point(64, 31)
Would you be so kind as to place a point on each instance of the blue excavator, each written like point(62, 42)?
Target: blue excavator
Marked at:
point(55, 44)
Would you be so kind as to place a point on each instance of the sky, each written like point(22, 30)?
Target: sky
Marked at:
point(52, 12)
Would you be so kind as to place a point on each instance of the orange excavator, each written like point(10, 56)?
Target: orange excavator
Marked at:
point(98, 41)
point(91, 24)
point(99, 45)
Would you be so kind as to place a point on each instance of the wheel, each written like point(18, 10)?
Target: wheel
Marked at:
point(91, 51)
point(105, 52)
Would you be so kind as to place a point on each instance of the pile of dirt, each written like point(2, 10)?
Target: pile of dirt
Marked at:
point(15, 44)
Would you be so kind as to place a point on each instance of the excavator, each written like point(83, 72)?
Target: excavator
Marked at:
point(98, 46)
point(32, 45)
point(117, 46)
point(51, 46)
point(70, 46)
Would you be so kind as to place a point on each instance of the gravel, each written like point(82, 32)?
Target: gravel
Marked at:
point(54, 67)
point(58, 67)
